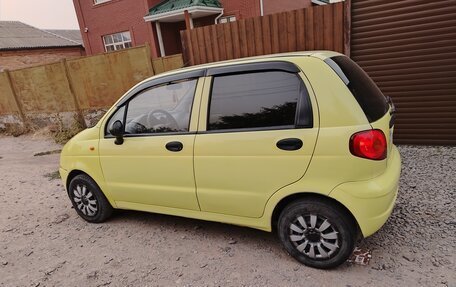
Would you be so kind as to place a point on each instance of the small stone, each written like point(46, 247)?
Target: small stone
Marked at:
point(109, 260)
point(226, 249)
point(29, 253)
point(204, 265)
point(232, 241)
point(92, 275)
point(408, 258)
point(178, 258)
point(296, 268)
point(4, 263)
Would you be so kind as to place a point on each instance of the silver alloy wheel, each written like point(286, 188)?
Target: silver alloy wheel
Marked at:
point(314, 236)
point(85, 200)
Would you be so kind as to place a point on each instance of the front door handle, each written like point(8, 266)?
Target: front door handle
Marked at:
point(290, 144)
point(174, 146)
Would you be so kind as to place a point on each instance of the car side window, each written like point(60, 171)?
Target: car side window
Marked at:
point(254, 100)
point(159, 109)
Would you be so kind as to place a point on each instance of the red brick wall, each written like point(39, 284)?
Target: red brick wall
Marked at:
point(127, 15)
point(274, 6)
point(17, 59)
point(250, 8)
point(112, 17)
point(171, 37)
point(241, 8)
point(204, 21)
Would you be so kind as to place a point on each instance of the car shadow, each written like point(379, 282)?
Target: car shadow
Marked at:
point(222, 234)
point(196, 227)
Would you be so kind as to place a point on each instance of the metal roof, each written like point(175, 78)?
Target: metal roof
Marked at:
point(172, 5)
point(17, 35)
point(73, 35)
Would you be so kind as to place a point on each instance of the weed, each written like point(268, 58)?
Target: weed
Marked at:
point(63, 134)
point(14, 130)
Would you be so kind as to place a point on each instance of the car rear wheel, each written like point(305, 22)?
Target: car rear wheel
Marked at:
point(316, 233)
point(88, 200)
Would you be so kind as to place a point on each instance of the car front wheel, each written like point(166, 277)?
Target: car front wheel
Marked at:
point(88, 200)
point(317, 233)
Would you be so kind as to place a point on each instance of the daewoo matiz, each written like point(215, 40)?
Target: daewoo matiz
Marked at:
point(299, 143)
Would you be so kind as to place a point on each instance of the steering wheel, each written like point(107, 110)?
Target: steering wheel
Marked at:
point(168, 120)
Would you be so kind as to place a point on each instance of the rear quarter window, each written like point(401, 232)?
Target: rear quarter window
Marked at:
point(367, 94)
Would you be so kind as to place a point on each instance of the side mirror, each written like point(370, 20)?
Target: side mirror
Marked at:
point(117, 130)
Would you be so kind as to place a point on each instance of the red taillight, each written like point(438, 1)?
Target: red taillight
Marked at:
point(369, 144)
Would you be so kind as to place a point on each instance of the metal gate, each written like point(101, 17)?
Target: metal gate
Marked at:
point(409, 49)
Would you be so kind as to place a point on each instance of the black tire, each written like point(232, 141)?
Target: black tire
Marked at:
point(92, 206)
point(342, 229)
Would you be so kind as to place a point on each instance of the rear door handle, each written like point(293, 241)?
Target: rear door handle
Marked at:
point(290, 144)
point(174, 146)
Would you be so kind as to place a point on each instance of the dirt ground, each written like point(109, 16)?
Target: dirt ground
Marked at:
point(44, 243)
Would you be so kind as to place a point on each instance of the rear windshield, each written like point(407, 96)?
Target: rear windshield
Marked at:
point(365, 91)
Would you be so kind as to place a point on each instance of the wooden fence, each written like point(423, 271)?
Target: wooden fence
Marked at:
point(315, 28)
point(85, 83)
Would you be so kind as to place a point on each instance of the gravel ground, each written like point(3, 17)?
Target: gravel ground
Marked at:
point(44, 243)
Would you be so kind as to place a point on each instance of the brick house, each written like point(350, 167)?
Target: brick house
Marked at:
point(109, 25)
point(23, 46)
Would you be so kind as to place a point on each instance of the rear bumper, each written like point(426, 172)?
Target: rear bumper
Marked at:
point(371, 202)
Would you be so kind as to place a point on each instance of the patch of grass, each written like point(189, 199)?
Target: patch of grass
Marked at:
point(47, 152)
point(53, 175)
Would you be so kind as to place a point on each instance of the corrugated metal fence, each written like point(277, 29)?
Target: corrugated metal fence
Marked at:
point(409, 49)
point(313, 28)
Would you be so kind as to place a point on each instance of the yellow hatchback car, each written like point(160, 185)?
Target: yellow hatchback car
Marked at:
point(300, 143)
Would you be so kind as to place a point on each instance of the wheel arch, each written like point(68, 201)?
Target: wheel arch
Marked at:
point(75, 172)
point(280, 206)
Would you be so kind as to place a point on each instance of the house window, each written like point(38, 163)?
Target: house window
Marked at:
point(227, 19)
point(117, 41)
point(100, 1)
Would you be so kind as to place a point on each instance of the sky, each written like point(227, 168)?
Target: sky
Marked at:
point(43, 14)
